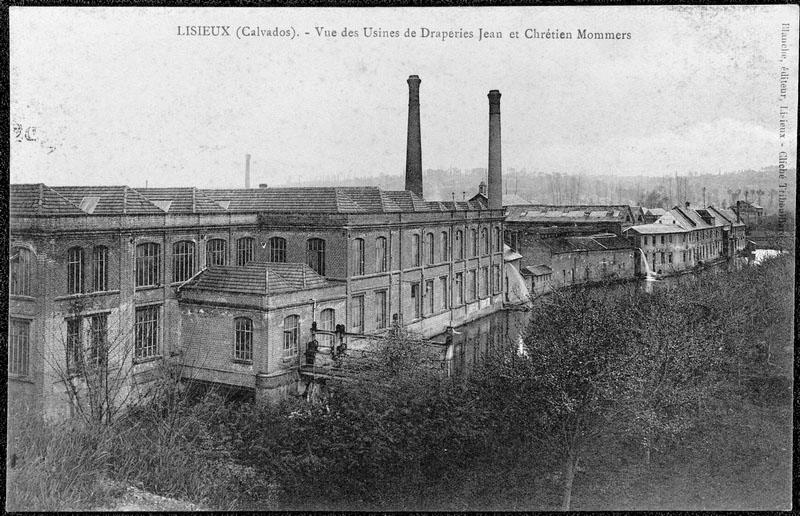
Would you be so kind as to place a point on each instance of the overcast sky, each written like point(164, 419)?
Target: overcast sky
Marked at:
point(116, 96)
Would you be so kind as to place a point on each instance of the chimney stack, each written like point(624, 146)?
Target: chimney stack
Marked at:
point(247, 171)
point(495, 164)
point(414, 143)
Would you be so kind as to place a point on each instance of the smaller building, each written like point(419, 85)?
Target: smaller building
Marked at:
point(748, 212)
point(653, 214)
point(539, 278)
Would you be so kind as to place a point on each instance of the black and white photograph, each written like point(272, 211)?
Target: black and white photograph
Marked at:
point(469, 258)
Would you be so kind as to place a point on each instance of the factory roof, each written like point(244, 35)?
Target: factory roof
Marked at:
point(259, 278)
point(536, 270)
point(656, 228)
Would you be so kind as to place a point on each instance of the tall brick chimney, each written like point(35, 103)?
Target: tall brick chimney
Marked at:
point(414, 142)
point(495, 165)
point(247, 171)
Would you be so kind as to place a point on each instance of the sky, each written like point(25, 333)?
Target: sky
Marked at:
point(117, 96)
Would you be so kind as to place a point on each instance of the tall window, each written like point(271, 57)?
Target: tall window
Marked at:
point(416, 300)
point(474, 241)
point(357, 314)
point(74, 346)
point(291, 334)
point(472, 284)
point(485, 240)
point(18, 347)
point(380, 254)
point(216, 252)
point(444, 241)
point(498, 240)
point(459, 245)
point(146, 331)
point(147, 264)
point(484, 281)
point(75, 270)
point(277, 250)
point(497, 286)
point(415, 250)
point(327, 321)
point(315, 255)
point(445, 292)
point(429, 303)
point(458, 287)
point(184, 257)
point(358, 256)
point(429, 249)
point(100, 268)
point(99, 339)
point(380, 309)
point(245, 248)
point(243, 339)
point(20, 265)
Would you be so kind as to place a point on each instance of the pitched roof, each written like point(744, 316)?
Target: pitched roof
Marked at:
point(180, 200)
point(601, 242)
point(112, 200)
point(536, 270)
point(39, 199)
point(656, 228)
point(253, 278)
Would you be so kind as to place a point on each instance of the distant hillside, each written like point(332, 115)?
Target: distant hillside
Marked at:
point(760, 186)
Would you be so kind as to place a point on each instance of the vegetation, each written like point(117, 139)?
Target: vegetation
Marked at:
point(679, 399)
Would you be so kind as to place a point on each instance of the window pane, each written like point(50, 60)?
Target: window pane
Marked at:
point(183, 260)
point(75, 270)
point(74, 346)
point(277, 250)
point(244, 250)
point(380, 309)
point(99, 339)
point(20, 266)
point(380, 254)
point(291, 334)
point(415, 250)
point(243, 339)
point(147, 264)
point(146, 332)
point(100, 269)
point(315, 255)
point(327, 321)
point(358, 256)
point(216, 252)
point(18, 347)
point(357, 319)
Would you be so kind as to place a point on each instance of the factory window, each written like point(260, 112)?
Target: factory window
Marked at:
point(416, 300)
point(74, 346)
point(100, 268)
point(472, 285)
point(474, 241)
point(444, 240)
point(497, 281)
point(662, 239)
point(429, 302)
point(415, 250)
point(98, 333)
point(669, 257)
point(75, 270)
point(458, 287)
point(445, 292)
point(327, 321)
point(430, 258)
point(380, 254)
point(459, 245)
point(245, 247)
point(315, 255)
point(216, 252)
point(18, 347)
point(484, 282)
point(184, 257)
point(291, 334)
point(146, 331)
point(358, 256)
point(669, 237)
point(277, 250)
point(485, 240)
point(20, 265)
point(147, 264)
point(380, 309)
point(243, 339)
point(498, 240)
point(357, 315)
point(662, 258)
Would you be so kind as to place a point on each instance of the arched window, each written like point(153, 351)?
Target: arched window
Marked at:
point(380, 255)
point(291, 334)
point(415, 251)
point(277, 250)
point(184, 259)
point(474, 241)
point(485, 240)
point(243, 339)
point(315, 255)
point(444, 241)
point(20, 265)
point(216, 252)
point(327, 321)
point(147, 264)
point(245, 248)
point(429, 249)
point(459, 245)
point(75, 270)
point(100, 268)
point(358, 256)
